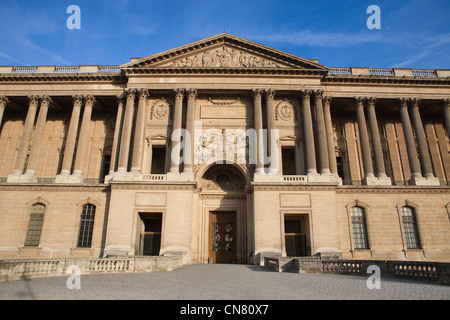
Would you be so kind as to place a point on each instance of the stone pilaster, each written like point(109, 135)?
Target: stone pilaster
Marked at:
point(117, 133)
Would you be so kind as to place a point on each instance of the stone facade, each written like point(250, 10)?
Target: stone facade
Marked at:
point(90, 161)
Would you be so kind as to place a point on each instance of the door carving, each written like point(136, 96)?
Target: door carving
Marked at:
point(222, 236)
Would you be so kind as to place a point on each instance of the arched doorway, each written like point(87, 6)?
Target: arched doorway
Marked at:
point(223, 215)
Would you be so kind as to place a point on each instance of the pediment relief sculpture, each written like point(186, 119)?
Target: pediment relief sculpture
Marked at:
point(225, 57)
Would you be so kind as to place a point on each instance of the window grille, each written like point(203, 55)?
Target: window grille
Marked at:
point(86, 226)
point(410, 228)
point(35, 225)
point(359, 228)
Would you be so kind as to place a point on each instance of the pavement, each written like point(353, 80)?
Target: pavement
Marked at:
point(221, 282)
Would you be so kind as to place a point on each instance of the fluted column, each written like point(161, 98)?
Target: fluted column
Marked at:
point(330, 137)
point(126, 132)
point(26, 134)
point(3, 101)
point(176, 127)
point(271, 137)
point(424, 154)
point(37, 137)
point(375, 137)
point(308, 133)
point(446, 110)
point(321, 133)
point(258, 126)
point(139, 131)
point(69, 149)
point(117, 134)
point(414, 164)
point(83, 138)
point(364, 138)
point(188, 152)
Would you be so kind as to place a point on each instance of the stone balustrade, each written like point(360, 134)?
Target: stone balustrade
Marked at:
point(419, 270)
point(60, 69)
point(397, 72)
point(38, 268)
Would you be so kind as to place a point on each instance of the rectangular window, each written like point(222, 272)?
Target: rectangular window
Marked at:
point(410, 228)
point(35, 225)
point(359, 228)
point(158, 160)
point(288, 161)
point(86, 226)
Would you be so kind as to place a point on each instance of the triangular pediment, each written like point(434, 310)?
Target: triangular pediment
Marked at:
point(224, 51)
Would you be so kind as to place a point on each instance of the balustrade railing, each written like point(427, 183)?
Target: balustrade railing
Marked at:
point(381, 72)
point(67, 69)
point(424, 73)
point(295, 178)
point(24, 69)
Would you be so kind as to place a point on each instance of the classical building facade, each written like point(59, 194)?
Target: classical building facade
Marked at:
point(224, 151)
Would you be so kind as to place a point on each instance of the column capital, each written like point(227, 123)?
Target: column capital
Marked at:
point(326, 100)
point(305, 93)
point(192, 93)
point(46, 100)
point(269, 93)
point(179, 92)
point(403, 102)
point(370, 101)
point(3, 100)
point(130, 93)
point(414, 102)
point(359, 102)
point(34, 100)
point(257, 92)
point(445, 103)
point(90, 100)
point(143, 93)
point(318, 93)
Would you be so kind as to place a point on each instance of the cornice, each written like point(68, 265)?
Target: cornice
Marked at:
point(65, 77)
point(385, 80)
point(53, 187)
point(222, 71)
point(392, 189)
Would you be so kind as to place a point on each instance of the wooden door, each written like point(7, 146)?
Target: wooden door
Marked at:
point(222, 236)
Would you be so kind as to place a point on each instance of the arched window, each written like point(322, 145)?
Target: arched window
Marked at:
point(35, 225)
point(359, 228)
point(410, 227)
point(86, 226)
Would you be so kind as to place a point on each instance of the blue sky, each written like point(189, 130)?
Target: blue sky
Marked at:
point(413, 34)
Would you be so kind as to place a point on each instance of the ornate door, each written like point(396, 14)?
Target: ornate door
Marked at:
point(222, 236)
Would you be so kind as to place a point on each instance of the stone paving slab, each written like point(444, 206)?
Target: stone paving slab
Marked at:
point(222, 282)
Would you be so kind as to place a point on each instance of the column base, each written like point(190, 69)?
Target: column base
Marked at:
point(377, 181)
point(22, 178)
point(324, 178)
point(422, 181)
point(76, 178)
point(180, 176)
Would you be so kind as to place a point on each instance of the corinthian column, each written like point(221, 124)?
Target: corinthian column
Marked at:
point(25, 139)
point(330, 136)
point(37, 137)
point(80, 157)
point(321, 133)
point(258, 126)
point(364, 139)
point(409, 140)
point(126, 132)
point(176, 128)
point(308, 133)
point(425, 159)
point(188, 152)
point(446, 110)
point(3, 101)
point(139, 131)
point(117, 134)
point(271, 135)
point(375, 136)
